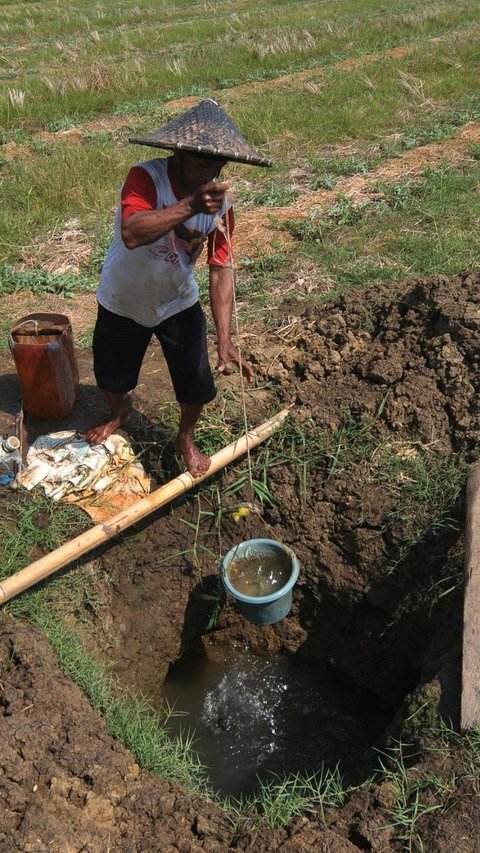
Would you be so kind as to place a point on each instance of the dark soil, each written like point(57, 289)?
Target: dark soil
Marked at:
point(403, 357)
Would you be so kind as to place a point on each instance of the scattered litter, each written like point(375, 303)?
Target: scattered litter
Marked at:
point(102, 478)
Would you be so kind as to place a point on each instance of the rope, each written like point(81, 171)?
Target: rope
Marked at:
point(231, 259)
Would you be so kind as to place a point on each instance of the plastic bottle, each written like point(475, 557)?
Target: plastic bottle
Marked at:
point(10, 459)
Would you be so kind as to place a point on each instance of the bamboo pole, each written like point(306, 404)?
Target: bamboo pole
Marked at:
point(50, 563)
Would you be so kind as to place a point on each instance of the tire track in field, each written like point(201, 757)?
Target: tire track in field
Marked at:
point(255, 228)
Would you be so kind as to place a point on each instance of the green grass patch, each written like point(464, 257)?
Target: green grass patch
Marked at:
point(273, 195)
point(95, 67)
point(327, 169)
point(419, 227)
point(431, 787)
point(279, 801)
point(38, 281)
point(346, 108)
point(84, 75)
point(425, 484)
point(128, 717)
point(75, 183)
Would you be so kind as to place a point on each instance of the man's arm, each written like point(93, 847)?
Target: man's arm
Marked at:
point(221, 301)
point(146, 226)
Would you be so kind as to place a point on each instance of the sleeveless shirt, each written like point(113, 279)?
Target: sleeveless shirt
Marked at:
point(151, 283)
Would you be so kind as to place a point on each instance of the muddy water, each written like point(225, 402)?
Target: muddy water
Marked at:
point(254, 716)
point(261, 574)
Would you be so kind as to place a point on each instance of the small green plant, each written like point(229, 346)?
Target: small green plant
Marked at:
point(268, 263)
point(36, 523)
point(336, 167)
point(39, 281)
point(353, 443)
point(84, 339)
point(347, 212)
point(466, 746)
point(274, 195)
point(103, 239)
point(218, 603)
point(473, 150)
point(311, 229)
point(398, 196)
point(101, 137)
point(325, 181)
point(243, 483)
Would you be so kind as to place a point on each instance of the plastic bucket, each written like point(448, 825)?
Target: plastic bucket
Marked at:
point(42, 349)
point(262, 609)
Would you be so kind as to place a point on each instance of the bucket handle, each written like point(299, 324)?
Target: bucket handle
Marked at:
point(24, 323)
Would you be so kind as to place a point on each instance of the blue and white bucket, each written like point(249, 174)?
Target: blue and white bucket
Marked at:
point(262, 609)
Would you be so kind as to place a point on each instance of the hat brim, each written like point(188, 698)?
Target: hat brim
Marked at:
point(206, 150)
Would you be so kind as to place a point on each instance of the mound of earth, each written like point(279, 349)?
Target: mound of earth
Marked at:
point(414, 347)
point(402, 358)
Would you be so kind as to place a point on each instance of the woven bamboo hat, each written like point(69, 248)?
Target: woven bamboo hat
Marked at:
point(205, 129)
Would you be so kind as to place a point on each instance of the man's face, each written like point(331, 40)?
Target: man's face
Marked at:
point(196, 169)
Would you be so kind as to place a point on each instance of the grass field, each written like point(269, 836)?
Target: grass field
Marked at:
point(324, 89)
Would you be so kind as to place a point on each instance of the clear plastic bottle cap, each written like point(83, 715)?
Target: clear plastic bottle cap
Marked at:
point(11, 443)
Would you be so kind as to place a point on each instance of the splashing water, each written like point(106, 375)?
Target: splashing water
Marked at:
point(253, 716)
point(247, 698)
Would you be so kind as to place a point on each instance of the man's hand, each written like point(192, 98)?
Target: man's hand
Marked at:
point(228, 352)
point(209, 197)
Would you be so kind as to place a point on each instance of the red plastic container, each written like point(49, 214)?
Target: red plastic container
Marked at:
point(44, 356)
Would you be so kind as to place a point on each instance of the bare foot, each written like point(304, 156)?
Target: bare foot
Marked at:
point(99, 433)
point(197, 463)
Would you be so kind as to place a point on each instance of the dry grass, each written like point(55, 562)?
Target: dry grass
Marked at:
point(81, 312)
point(286, 42)
point(65, 250)
point(16, 97)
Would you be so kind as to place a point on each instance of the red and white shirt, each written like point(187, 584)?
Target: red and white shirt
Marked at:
point(154, 282)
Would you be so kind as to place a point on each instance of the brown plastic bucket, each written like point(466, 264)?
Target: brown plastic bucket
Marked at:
point(42, 349)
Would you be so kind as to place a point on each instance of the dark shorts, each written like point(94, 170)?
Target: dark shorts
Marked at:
point(119, 346)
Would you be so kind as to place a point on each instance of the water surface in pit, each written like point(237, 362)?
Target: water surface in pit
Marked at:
point(254, 716)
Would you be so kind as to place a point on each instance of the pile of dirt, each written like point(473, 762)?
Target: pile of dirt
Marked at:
point(67, 785)
point(414, 347)
point(403, 357)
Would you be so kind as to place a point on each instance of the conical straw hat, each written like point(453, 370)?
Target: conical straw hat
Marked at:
point(205, 129)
